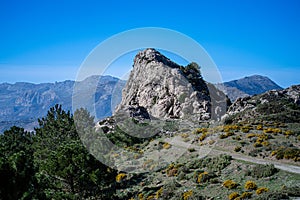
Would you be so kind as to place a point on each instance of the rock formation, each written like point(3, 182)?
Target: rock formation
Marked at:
point(160, 88)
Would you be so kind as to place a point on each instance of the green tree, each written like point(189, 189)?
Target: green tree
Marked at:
point(193, 74)
point(16, 164)
point(66, 169)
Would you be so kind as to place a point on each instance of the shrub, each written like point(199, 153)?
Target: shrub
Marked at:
point(230, 184)
point(259, 127)
point(263, 136)
point(260, 171)
point(237, 138)
point(245, 129)
point(268, 130)
point(222, 136)
point(237, 148)
point(203, 177)
point(200, 130)
point(150, 197)
point(140, 196)
point(288, 133)
point(228, 128)
point(202, 137)
point(246, 195)
point(184, 135)
point(265, 143)
point(277, 130)
point(120, 177)
point(233, 195)
point(228, 134)
point(250, 185)
point(172, 170)
point(251, 135)
point(257, 144)
point(287, 153)
point(217, 163)
point(261, 190)
point(255, 152)
point(293, 191)
point(277, 195)
point(211, 142)
point(187, 195)
point(166, 145)
point(159, 193)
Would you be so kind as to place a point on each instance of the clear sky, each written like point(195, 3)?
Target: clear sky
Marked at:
point(46, 41)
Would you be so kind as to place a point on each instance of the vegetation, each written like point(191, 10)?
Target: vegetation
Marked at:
point(233, 196)
point(260, 171)
point(193, 75)
point(250, 185)
point(52, 163)
point(230, 184)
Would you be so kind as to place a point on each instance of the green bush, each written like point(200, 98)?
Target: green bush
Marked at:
point(260, 171)
point(217, 163)
point(272, 196)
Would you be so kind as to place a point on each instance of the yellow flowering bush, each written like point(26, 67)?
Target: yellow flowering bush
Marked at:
point(250, 185)
point(233, 196)
point(261, 190)
point(230, 184)
point(120, 177)
point(159, 193)
point(166, 145)
point(202, 177)
point(187, 195)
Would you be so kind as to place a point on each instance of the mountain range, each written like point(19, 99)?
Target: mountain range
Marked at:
point(23, 103)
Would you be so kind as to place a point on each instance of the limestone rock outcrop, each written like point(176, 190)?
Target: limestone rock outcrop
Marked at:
point(160, 88)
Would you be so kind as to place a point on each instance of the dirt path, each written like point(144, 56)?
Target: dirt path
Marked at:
point(279, 165)
point(204, 150)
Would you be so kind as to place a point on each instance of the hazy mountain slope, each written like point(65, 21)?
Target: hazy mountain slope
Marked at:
point(255, 84)
point(22, 103)
point(232, 92)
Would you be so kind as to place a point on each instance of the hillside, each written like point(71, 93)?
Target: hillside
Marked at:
point(253, 153)
point(151, 148)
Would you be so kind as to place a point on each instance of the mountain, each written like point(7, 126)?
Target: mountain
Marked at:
point(180, 94)
point(22, 103)
point(160, 88)
point(248, 86)
point(188, 157)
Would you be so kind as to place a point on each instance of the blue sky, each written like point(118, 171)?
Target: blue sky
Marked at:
point(46, 41)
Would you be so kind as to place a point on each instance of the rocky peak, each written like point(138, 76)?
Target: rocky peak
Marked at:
point(160, 88)
point(152, 55)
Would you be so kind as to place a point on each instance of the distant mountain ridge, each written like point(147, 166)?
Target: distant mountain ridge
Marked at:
point(23, 103)
point(248, 86)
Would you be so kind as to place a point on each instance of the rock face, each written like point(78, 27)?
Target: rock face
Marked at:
point(160, 88)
